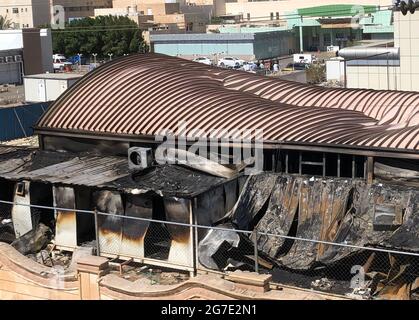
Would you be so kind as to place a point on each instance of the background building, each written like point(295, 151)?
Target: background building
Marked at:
point(81, 8)
point(263, 10)
point(26, 13)
point(249, 46)
point(399, 71)
point(24, 52)
point(160, 15)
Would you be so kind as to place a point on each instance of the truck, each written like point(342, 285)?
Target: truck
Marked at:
point(304, 58)
point(60, 62)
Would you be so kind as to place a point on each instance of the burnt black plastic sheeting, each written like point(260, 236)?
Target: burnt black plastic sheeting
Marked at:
point(336, 210)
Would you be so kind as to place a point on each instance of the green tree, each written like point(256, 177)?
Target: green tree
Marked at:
point(101, 35)
point(4, 23)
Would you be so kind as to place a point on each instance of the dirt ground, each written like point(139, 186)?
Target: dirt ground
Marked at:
point(11, 95)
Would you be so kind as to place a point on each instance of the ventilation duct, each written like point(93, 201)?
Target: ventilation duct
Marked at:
point(374, 53)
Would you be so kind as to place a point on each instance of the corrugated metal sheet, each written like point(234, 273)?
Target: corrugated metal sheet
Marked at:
point(103, 172)
point(86, 170)
point(141, 95)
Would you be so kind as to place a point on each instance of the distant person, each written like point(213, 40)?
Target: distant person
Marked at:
point(276, 67)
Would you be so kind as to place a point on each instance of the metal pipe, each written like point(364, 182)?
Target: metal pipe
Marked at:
point(97, 234)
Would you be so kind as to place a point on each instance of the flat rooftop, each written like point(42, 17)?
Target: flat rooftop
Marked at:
point(57, 76)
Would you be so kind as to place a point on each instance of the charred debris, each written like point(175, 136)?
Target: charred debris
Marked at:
point(339, 166)
point(343, 210)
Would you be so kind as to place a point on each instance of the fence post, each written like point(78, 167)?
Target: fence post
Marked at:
point(255, 245)
point(97, 234)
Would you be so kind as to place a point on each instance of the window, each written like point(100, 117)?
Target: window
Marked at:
point(248, 16)
point(15, 10)
point(277, 16)
point(272, 15)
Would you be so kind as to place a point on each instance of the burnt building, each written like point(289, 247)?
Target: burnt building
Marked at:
point(330, 157)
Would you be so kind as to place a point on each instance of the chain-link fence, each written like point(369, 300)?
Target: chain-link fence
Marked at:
point(338, 268)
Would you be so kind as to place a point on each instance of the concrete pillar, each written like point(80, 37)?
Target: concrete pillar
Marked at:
point(89, 271)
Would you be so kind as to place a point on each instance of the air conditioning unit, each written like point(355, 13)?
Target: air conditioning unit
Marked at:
point(18, 58)
point(139, 158)
point(9, 59)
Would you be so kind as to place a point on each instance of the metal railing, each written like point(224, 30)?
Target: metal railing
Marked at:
point(309, 263)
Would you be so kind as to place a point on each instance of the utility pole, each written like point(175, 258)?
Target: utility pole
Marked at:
point(79, 55)
point(94, 58)
point(301, 35)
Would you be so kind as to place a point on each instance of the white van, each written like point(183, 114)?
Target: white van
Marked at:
point(304, 58)
point(60, 61)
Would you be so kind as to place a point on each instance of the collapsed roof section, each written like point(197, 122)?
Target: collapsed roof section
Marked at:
point(139, 96)
point(345, 211)
point(102, 172)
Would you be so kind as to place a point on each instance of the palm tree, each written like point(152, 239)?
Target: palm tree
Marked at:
point(5, 23)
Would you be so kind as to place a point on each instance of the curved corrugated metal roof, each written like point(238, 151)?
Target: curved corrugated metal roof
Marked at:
point(141, 95)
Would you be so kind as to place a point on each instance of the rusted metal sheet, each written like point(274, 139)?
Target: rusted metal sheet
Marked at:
point(173, 90)
point(66, 221)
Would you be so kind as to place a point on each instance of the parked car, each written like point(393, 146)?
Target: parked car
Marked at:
point(230, 62)
point(60, 62)
point(203, 60)
point(295, 66)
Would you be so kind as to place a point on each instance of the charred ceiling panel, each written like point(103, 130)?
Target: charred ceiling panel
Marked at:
point(255, 194)
point(181, 247)
point(357, 228)
point(321, 204)
point(280, 215)
point(134, 231)
point(407, 235)
point(110, 227)
point(231, 194)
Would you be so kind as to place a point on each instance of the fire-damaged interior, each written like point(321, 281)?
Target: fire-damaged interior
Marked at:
point(336, 200)
point(87, 190)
